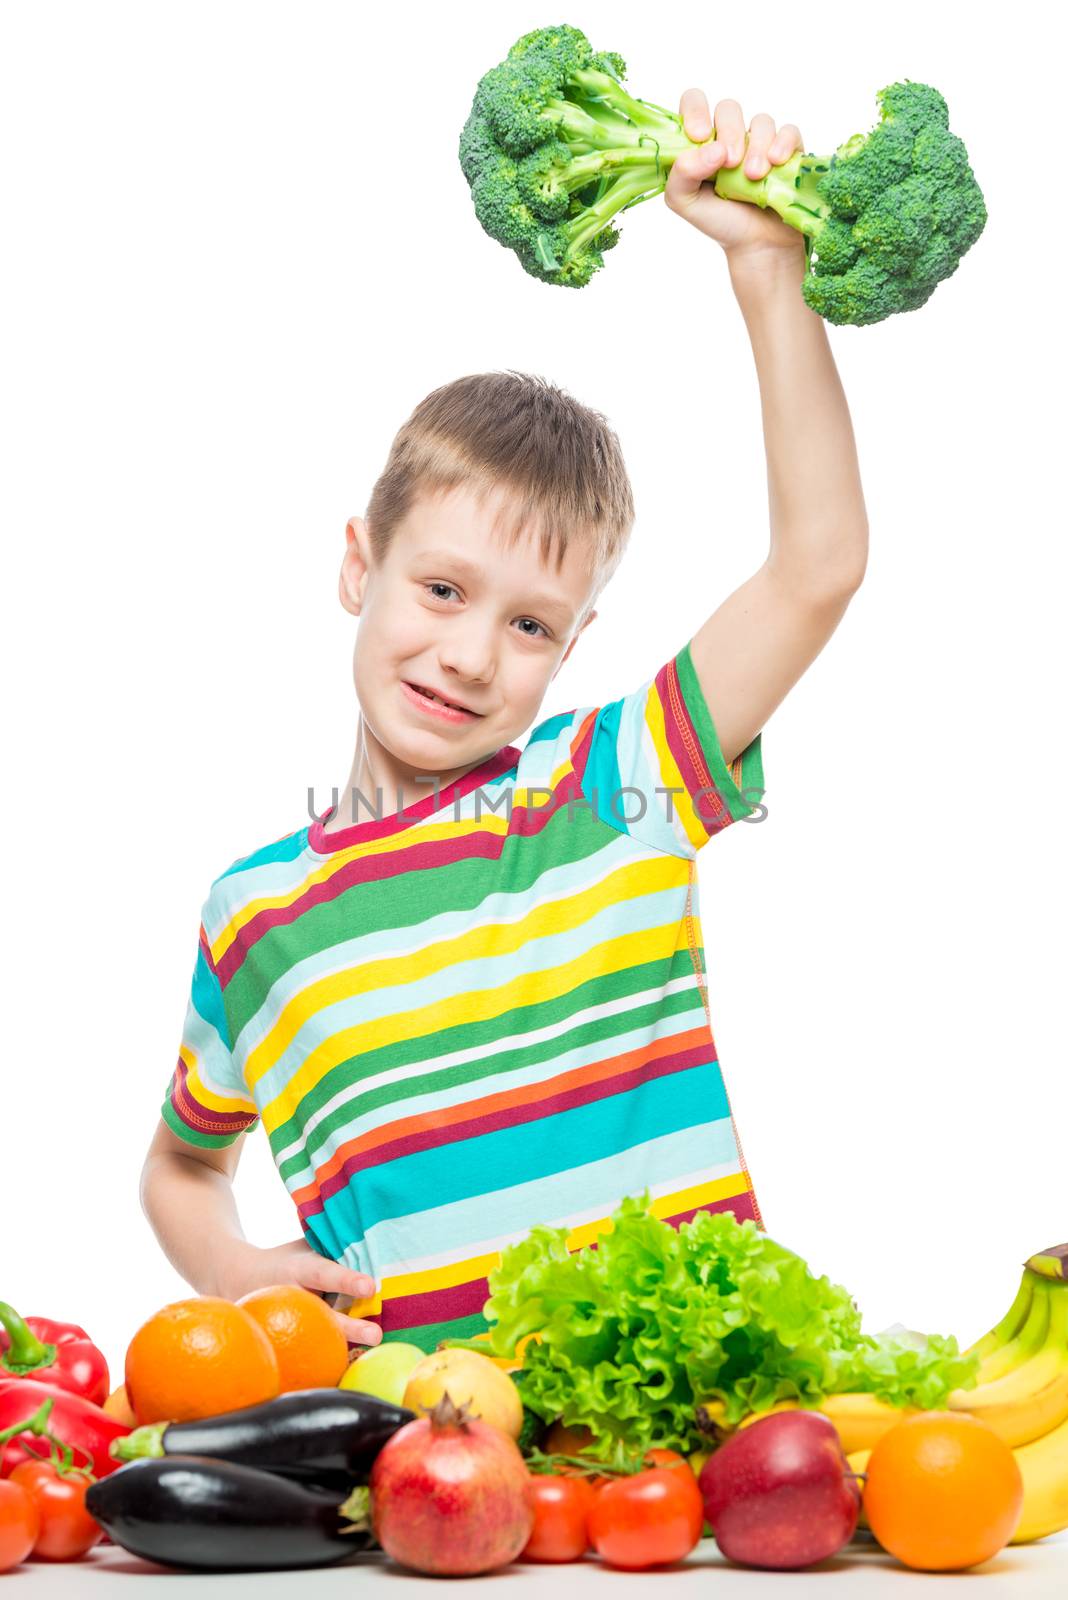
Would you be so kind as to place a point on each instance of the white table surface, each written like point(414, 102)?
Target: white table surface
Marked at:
point(863, 1573)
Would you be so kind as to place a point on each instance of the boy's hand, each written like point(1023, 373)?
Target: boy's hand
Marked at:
point(746, 232)
point(250, 1267)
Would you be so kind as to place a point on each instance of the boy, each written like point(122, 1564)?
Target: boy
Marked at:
point(463, 1011)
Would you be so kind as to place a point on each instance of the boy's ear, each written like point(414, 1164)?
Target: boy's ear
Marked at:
point(354, 566)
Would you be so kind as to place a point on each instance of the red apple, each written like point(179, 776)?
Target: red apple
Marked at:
point(781, 1493)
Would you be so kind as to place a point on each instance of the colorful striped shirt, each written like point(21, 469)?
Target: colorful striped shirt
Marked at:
point(482, 1012)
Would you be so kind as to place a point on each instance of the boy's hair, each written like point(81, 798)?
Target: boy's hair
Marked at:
point(559, 461)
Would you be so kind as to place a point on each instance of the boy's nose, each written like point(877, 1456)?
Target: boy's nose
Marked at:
point(466, 672)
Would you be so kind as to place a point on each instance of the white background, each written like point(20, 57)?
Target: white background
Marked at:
point(239, 250)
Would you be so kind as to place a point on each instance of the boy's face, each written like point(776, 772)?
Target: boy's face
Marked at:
point(454, 610)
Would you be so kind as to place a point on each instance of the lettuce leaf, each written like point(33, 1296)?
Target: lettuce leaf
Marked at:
point(641, 1327)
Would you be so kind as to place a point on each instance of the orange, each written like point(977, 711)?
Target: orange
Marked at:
point(196, 1358)
point(116, 1405)
point(311, 1350)
point(943, 1492)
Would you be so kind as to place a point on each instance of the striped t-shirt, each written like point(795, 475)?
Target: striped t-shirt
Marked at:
point(483, 1012)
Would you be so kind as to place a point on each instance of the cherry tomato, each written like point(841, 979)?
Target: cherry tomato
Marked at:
point(647, 1520)
point(19, 1524)
point(67, 1530)
point(669, 1459)
point(562, 1440)
point(561, 1509)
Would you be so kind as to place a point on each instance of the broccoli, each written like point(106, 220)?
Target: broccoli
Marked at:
point(554, 149)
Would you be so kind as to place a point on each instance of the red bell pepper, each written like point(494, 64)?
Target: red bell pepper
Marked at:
point(60, 1353)
point(70, 1420)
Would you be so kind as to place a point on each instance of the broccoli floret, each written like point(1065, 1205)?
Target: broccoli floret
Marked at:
point(886, 217)
point(532, 1433)
point(555, 148)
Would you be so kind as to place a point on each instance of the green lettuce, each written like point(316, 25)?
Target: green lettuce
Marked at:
point(649, 1322)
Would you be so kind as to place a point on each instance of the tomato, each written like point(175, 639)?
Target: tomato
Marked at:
point(19, 1524)
point(562, 1440)
point(67, 1530)
point(561, 1509)
point(648, 1519)
point(669, 1459)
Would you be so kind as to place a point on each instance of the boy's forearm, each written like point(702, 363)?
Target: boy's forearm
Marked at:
point(819, 528)
point(193, 1214)
point(190, 1205)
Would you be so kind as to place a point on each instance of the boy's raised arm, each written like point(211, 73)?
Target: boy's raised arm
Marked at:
point(755, 647)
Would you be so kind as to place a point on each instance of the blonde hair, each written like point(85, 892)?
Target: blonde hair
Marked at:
point(559, 462)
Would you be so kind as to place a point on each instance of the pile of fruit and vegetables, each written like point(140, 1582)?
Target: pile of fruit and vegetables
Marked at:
point(657, 1387)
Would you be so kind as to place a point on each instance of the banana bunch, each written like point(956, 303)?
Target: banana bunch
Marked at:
point(1022, 1390)
point(1021, 1393)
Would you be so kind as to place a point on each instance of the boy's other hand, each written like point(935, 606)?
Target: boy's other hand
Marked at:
point(745, 231)
point(249, 1267)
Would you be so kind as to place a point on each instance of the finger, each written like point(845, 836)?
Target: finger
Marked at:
point(730, 129)
point(313, 1271)
point(696, 117)
point(357, 1332)
point(786, 141)
point(761, 133)
point(691, 170)
point(358, 1284)
point(331, 1277)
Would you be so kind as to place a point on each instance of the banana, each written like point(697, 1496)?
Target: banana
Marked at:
point(1020, 1345)
point(858, 1464)
point(1044, 1468)
point(1031, 1399)
point(780, 1405)
point(861, 1419)
point(1023, 1329)
point(992, 1346)
point(1051, 1263)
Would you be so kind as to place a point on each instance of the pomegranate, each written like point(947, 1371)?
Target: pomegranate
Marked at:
point(450, 1494)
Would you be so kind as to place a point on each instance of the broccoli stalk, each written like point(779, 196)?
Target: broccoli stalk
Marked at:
point(554, 149)
point(791, 190)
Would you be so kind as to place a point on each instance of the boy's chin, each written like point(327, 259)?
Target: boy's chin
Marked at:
point(430, 752)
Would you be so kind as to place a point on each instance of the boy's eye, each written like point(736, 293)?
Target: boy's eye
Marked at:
point(451, 590)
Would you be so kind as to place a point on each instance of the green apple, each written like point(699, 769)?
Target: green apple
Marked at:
point(383, 1371)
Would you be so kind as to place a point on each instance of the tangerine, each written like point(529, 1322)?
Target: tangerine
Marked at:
point(311, 1350)
point(943, 1492)
point(118, 1406)
point(198, 1357)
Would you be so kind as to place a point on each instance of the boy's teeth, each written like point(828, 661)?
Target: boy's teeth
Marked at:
point(437, 697)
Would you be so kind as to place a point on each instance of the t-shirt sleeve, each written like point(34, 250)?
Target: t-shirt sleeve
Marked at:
point(654, 760)
point(207, 1101)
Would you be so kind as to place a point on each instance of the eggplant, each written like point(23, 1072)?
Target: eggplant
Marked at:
point(214, 1516)
point(307, 1433)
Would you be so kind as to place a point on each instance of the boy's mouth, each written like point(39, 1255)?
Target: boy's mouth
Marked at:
point(439, 700)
